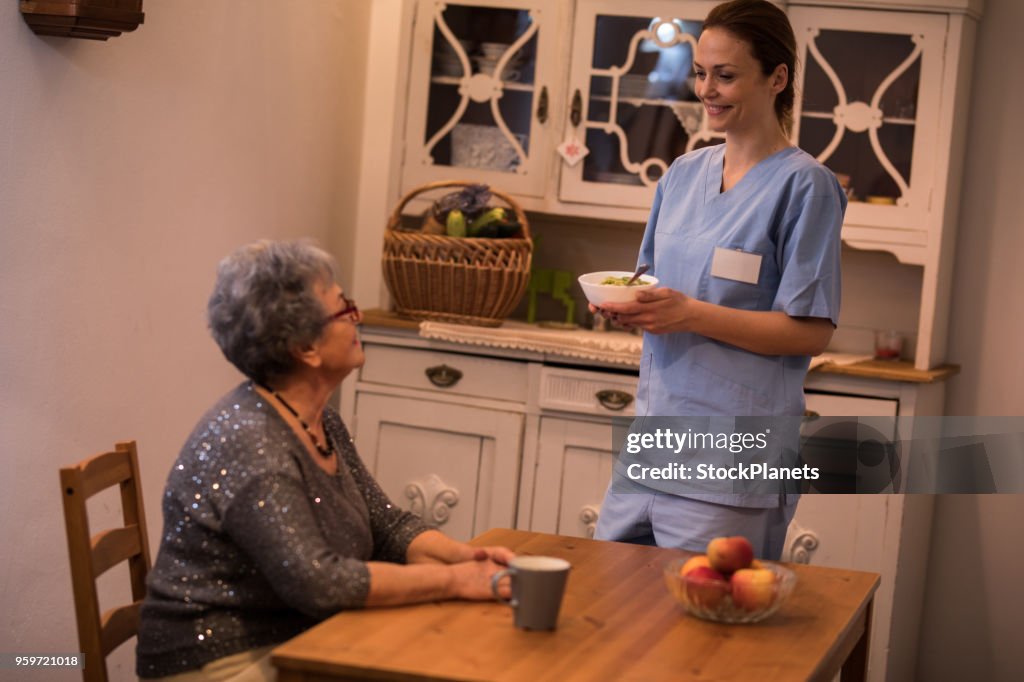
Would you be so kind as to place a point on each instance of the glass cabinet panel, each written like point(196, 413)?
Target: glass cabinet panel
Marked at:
point(867, 107)
point(635, 118)
point(491, 130)
point(861, 121)
point(477, 101)
point(633, 70)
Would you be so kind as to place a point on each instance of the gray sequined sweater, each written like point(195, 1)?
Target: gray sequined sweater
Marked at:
point(259, 543)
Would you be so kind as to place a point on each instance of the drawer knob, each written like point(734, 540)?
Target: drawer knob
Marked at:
point(443, 376)
point(613, 399)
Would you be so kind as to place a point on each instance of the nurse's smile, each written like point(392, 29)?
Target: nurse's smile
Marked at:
point(737, 95)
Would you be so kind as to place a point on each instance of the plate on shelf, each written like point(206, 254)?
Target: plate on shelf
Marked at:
point(633, 85)
point(448, 66)
point(481, 146)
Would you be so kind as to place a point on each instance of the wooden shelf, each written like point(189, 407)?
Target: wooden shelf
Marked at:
point(375, 317)
point(90, 19)
point(892, 370)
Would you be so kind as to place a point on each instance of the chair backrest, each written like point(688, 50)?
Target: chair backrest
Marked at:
point(92, 555)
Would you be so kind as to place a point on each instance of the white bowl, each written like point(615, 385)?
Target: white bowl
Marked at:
point(599, 294)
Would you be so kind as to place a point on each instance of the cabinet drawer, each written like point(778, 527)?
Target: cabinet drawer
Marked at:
point(602, 393)
point(452, 372)
point(847, 417)
point(833, 405)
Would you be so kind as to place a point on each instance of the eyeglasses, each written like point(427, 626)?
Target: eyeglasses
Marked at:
point(350, 311)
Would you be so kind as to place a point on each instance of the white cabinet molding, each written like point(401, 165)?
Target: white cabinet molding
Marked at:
point(801, 548)
point(431, 499)
point(588, 517)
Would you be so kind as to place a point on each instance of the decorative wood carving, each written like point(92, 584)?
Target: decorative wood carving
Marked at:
point(802, 547)
point(91, 19)
point(431, 499)
point(588, 515)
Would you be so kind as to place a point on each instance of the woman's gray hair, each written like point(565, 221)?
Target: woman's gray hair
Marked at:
point(263, 306)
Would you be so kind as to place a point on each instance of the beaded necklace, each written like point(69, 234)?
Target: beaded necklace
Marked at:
point(325, 452)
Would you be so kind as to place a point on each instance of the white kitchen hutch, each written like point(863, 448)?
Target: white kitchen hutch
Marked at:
point(509, 92)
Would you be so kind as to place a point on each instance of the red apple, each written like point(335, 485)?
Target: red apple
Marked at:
point(694, 562)
point(730, 554)
point(706, 587)
point(753, 589)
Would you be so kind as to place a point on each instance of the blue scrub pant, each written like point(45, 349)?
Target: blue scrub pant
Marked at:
point(689, 523)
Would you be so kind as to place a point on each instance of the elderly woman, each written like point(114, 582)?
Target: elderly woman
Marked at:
point(271, 521)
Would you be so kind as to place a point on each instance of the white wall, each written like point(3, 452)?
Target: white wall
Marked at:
point(971, 622)
point(127, 169)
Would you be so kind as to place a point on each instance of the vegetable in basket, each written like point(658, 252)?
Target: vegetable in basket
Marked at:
point(472, 200)
point(455, 223)
point(466, 213)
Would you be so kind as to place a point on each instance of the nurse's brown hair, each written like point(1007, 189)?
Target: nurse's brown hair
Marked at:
point(767, 30)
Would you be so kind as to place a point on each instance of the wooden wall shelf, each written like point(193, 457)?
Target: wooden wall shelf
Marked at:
point(91, 19)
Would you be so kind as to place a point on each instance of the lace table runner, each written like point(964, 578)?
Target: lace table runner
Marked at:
point(612, 347)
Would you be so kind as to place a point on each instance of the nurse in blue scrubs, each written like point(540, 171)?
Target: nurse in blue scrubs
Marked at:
point(744, 238)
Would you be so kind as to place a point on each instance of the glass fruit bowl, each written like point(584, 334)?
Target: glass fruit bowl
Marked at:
point(747, 596)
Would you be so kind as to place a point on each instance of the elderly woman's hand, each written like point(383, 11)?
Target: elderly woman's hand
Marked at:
point(499, 555)
point(435, 547)
point(472, 580)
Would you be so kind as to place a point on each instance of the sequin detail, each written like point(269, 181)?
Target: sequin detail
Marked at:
point(259, 543)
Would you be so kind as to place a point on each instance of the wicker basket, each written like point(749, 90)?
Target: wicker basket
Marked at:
point(455, 279)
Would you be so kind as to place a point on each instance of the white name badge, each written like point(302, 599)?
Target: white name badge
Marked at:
point(736, 265)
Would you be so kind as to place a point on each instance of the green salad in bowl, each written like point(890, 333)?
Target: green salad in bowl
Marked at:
point(609, 286)
point(625, 281)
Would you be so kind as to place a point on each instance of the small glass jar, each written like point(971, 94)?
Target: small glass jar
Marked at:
point(888, 344)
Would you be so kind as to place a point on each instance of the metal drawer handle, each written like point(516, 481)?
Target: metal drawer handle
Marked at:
point(443, 376)
point(613, 399)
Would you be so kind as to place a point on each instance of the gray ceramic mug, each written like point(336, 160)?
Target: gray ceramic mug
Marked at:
point(538, 583)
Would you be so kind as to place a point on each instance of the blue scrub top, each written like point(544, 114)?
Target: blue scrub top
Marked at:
point(789, 210)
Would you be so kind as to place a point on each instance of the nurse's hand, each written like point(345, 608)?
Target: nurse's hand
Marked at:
point(768, 332)
point(657, 311)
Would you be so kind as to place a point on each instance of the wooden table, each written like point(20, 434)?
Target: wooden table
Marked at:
point(618, 622)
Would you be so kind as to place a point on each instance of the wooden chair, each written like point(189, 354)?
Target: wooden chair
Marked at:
point(92, 555)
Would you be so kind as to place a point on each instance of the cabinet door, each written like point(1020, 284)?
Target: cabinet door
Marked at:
point(862, 532)
point(631, 81)
point(871, 85)
point(483, 76)
point(454, 465)
point(840, 530)
point(574, 465)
